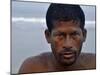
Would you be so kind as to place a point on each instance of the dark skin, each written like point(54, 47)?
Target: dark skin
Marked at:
point(66, 39)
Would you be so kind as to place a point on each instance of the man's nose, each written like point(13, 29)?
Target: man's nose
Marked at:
point(67, 42)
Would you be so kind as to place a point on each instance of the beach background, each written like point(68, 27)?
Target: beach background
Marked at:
point(27, 31)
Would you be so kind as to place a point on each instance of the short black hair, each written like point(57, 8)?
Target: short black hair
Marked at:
point(64, 12)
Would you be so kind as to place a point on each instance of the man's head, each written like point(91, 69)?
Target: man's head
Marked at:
point(66, 32)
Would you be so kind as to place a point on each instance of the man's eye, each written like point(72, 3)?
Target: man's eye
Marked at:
point(75, 33)
point(59, 36)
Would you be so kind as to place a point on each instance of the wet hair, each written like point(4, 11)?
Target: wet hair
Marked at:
point(64, 12)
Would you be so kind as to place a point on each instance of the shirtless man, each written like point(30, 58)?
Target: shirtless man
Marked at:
point(65, 34)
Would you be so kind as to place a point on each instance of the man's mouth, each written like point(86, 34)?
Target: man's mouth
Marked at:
point(68, 55)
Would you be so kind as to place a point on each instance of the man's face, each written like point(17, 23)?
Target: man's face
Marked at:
point(66, 40)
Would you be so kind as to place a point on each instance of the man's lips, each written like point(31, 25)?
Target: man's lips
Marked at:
point(68, 55)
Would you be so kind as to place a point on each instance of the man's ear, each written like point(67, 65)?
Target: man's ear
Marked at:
point(47, 36)
point(84, 35)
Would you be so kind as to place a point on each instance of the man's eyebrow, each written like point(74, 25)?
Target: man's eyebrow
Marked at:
point(59, 32)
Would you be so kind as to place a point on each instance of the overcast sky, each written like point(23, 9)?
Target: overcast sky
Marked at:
point(33, 9)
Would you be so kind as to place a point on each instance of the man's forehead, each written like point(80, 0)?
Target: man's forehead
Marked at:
point(72, 23)
point(69, 29)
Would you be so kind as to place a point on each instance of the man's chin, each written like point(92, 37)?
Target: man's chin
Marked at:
point(67, 62)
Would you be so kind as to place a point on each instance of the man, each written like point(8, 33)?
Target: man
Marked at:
point(65, 34)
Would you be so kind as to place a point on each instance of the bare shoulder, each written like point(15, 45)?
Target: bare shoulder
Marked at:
point(89, 56)
point(88, 60)
point(34, 64)
point(29, 64)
